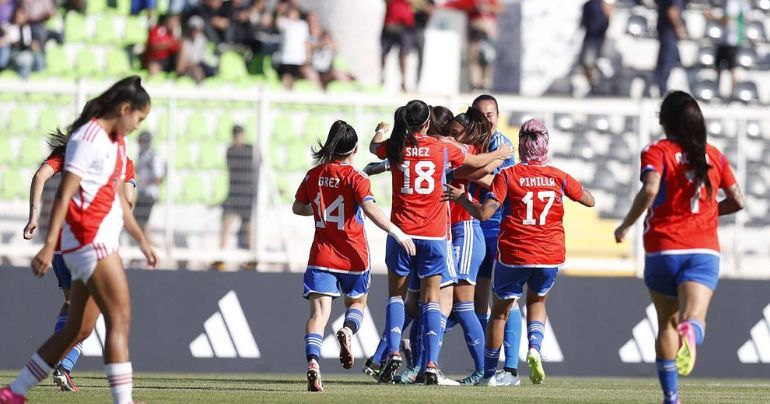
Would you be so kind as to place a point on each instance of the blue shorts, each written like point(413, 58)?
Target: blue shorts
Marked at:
point(664, 272)
point(485, 270)
point(508, 282)
point(352, 285)
point(468, 249)
point(431, 258)
point(63, 274)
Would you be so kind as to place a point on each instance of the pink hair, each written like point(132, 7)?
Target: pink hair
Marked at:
point(533, 142)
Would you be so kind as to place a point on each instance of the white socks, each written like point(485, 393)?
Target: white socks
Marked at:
point(32, 374)
point(121, 379)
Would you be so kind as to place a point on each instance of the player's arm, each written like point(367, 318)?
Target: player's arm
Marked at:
point(587, 199)
point(733, 201)
point(378, 217)
point(382, 128)
point(128, 189)
point(642, 202)
point(377, 167)
point(43, 174)
point(133, 229)
point(479, 211)
point(476, 174)
point(485, 181)
point(302, 209)
point(482, 160)
point(69, 185)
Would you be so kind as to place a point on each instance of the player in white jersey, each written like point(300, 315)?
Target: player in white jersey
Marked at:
point(91, 209)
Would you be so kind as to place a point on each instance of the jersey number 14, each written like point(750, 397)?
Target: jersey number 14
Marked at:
point(334, 213)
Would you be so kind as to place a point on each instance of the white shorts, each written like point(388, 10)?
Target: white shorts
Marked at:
point(82, 262)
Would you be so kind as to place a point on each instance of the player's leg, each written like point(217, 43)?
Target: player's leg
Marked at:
point(472, 249)
point(109, 288)
point(484, 281)
point(695, 285)
point(355, 287)
point(432, 267)
point(399, 265)
point(540, 282)
point(511, 345)
point(61, 374)
point(320, 309)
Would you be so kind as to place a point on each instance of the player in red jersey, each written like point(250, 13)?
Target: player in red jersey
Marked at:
point(336, 195)
point(90, 211)
point(50, 167)
point(680, 176)
point(531, 242)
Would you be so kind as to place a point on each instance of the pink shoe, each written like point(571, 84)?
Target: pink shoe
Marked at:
point(685, 356)
point(9, 397)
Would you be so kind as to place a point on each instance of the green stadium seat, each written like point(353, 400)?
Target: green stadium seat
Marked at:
point(118, 64)
point(212, 155)
point(14, 185)
point(7, 156)
point(221, 185)
point(283, 128)
point(298, 153)
point(136, 31)
point(305, 86)
point(19, 122)
point(183, 157)
point(33, 151)
point(57, 61)
point(48, 121)
point(193, 189)
point(94, 7)
point(197, 127)
point(75, 27)
point(85, 66)
point(106, 32)
point(225, 128)
point(231, 66)
point(252, 127)
point(336, 87)
point(315, 129)
point(123, 7)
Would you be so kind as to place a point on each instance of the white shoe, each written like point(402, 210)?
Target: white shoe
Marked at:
point(504, 378)
point(488, 382)
point(434, 376)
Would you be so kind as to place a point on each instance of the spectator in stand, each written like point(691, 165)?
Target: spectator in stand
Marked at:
point(733, 18)
point(216, 15)
point(150, 171)
point(163, 45)
point(323, 53)
point(398, 29)
point(670, 31)
point(294, 51)
point(76, 5)
point(137, 6)
point(595, 21)
point(6, 15)
point(38, 12)
point(482, 31)
point(423, 9)
point(249, 23)
point(192, 58)
point(23, 48)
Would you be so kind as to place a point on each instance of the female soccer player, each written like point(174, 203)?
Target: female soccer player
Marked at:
point(680, 177)
point(335, 193)
point(90, 210)
point(51, 166)
point(531, 242)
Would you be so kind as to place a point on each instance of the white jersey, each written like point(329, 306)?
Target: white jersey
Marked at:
point(95, 215)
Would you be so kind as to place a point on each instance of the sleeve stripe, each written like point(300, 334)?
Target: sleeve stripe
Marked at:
point(369, 198)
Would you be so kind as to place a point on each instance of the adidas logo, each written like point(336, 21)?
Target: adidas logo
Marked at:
point(550, 350)
point(94, 344)
point(641, 347)
point(757, 348)
point(364, 342)
point(227, 333)
point(396, 330)
point(431, 332)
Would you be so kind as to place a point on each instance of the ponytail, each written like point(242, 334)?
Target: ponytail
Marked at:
point(478, 130)
point(683, 122)
point(341, 141)
point(408, 119)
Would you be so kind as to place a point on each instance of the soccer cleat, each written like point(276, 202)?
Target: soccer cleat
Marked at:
point(434, 377)
point(536, 372)
point(685, 357)
point(504, 378)
point(472, 379)
point(314, 377)
point(9, 397)
point(388, 372)
point(409, 376)
point(487, 382)
point(63, 379)
point(372, 368)
point(406, 352)
point(344, 336)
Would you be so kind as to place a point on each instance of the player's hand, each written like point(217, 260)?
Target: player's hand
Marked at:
point(504, 152)
point(620, 233)
point(29, 229)
point(375, 168)
point(453, 194)
point(383, 127)
point(149, 253)
point(408, 245)
point(42, 261)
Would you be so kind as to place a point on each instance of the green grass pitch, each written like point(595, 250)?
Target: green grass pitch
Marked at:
point(249, 388)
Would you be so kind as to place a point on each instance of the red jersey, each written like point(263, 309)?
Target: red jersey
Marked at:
point(159, 35)
point(56, 162)
point(399, 12)
point(336, 192)
point(531, 233)
point(680, 218)
point(458, 214)
point(418, 187)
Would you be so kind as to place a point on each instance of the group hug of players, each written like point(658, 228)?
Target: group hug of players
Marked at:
point(467, 219)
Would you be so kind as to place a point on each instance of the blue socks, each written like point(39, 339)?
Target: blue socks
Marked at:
point(697, 327)
point(535, 331)
point(474, 334)
point(394, 321)
point(69, 361)
point(353, 318)
point(379, 353)
point(668, 380)
point(491, 357)
point(313, 346)
point(431, 317)
point(512, 338)
point(415, 340)
point(483, 320)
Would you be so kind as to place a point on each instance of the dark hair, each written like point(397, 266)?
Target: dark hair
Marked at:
point(440, 117)
point(477, 129)
point(341, 141)
point(128, 90)
point(407, 120)
point(683, 123)
point(486, 97)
